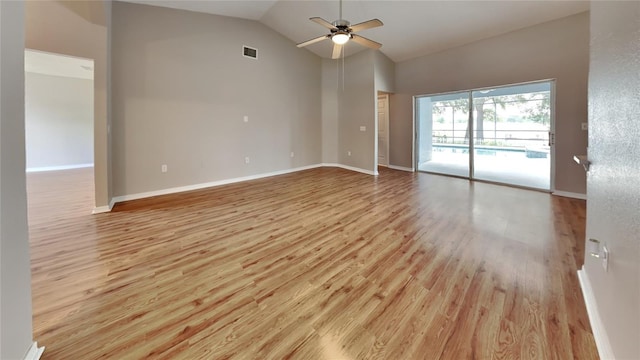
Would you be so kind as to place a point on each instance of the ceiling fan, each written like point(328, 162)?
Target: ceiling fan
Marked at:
point(341, 31)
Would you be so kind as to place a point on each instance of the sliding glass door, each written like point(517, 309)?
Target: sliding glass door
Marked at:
point(443, 139)
point(500, 134)
point(512, 135)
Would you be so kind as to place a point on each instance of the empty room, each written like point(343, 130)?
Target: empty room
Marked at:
point(328, 179)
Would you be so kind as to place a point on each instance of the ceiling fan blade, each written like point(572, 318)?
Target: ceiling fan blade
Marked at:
point(337, 50)
point(323, 22)
point(366, 25)
point(366, 42)
point(313, 41)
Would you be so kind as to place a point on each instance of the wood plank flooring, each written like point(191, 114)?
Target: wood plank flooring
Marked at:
point(320, 264)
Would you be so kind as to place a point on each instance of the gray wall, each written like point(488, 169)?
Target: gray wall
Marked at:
point(557, 49)
point(330, 71)
point(384, 72)
point(15, 274)
point(181, 88)
point(58, 121)
point(79, 28)
point(613, 192)
point(357, 107)
point(401, 130)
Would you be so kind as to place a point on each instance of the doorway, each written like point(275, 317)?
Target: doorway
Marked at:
point(500, 134)
point(383, 129)
point(59, 133)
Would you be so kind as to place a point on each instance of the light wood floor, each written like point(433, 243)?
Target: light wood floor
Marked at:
point(320, 264)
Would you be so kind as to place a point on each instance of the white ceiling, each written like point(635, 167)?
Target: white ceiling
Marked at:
point(57, 65)
point(411, 28)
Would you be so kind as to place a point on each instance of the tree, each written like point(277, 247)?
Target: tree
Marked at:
point(482, 113)
point(540, 109)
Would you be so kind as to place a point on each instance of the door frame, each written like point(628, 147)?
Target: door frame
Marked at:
point(386, 100)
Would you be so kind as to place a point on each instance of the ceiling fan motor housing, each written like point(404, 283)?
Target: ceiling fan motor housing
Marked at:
point(341, 24)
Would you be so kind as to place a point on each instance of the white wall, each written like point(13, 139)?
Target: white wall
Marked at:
point(15, 274)
point(181, 88)
point(557, 49)
point(613, 205)
point(58, 121)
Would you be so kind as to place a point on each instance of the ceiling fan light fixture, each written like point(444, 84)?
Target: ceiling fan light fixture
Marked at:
point(340, 38)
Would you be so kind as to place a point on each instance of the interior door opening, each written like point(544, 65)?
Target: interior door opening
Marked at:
point(59, 131)
point(501, 134)
point(383, 129)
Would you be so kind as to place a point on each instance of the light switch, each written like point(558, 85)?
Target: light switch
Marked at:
point(363, 128)
point(585, 126)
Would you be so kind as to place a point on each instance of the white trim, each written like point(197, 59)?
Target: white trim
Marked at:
point(385, 98)
point(105, 208)
point(34, 352)
point(401, 168)
point(352, 168)
point(143, 195)
point(101, 209)
point(599, 332)
point(117, 199)
point(57, 168)
point(570, 194)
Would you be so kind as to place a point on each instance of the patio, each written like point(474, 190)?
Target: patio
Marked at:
point(503, 166)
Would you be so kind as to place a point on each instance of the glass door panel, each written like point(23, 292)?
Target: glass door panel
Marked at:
point(511, 135)
point(443, 133)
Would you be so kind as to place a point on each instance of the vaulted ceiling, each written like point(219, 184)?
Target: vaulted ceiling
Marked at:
point(411, 28)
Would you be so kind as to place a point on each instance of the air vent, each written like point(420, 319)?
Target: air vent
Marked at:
point(249, 52)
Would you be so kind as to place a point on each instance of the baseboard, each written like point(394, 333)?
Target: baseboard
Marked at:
point(101, 209)
point(58, 168)
point(599, 333)
point(117, 199)
point(179, 189)
point(34, 352)
point(570, 195)
point(104, 209)
point(352, 168)
point(401, 168)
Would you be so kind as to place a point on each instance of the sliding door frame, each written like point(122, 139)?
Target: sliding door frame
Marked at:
point(471, 125)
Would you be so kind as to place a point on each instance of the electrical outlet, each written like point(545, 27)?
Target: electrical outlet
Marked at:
point(247, 160)
point(363, 128)
point(164, 168)
point(246, 118)
point(292, 154)
point(348, 153)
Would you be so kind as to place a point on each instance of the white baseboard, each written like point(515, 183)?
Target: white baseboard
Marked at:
point(105, 208)
point(101, 209)
point(117, 199)
point(58, 168)
point(599, 333)
point(401, 168)
point(352, 168)
point(570, 195)
point(174, 190)
point(34, 352)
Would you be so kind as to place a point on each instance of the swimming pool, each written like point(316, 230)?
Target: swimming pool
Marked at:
point(497, 151)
